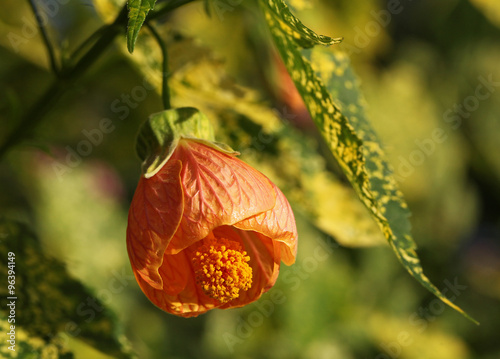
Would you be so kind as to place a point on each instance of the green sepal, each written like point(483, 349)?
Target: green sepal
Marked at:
point(159, 135)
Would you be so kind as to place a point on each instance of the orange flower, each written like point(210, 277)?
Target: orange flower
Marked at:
point(208, 231)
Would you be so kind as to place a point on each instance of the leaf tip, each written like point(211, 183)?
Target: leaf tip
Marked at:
point(130, 44)
point(337, 40)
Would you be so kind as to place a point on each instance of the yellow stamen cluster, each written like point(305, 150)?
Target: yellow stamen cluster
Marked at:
point(221, 268)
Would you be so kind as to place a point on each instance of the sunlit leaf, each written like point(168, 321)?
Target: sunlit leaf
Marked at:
point(334, 70)
point(433, 342)
point(288, 24)
point(490, 9)
point(137, 11)
point(351, 140)
point(51, 304)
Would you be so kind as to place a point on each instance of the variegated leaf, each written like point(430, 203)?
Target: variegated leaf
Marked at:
point(348, 135)
point(51, 305)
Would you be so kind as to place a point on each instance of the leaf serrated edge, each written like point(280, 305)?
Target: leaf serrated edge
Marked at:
point(363, 189)
point(404, 248)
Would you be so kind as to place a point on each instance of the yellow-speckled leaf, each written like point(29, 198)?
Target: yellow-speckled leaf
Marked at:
point(351, 140)
point(29, 346)
point(334, 70)
point(51, 305)
point(291, 26)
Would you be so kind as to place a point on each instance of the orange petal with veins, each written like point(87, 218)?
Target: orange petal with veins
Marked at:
point(203, 191)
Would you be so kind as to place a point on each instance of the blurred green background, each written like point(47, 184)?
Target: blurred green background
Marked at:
point(419, 69)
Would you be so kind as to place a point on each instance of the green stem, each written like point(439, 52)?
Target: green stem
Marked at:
point(107, 37)
point(174, 4)
point(70, 75)
point(92, 38)
point(45, 37)
point(59, 87)
point(165, 91)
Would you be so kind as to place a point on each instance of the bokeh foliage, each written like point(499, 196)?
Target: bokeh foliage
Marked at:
point(339, 302)
point(52, 307)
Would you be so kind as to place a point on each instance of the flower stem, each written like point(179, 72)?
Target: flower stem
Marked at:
point(164, 88)
point(45, 37)
point(88, 41)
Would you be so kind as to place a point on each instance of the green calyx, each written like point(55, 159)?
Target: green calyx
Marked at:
point(159, 135)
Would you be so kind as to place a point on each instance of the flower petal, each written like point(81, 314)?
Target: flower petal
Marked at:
point(174, 272)
point(191, 301)
point(219, 189)
point(155, 214)
point(278, 224)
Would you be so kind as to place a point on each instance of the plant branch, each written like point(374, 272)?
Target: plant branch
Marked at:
point(174, 4)
point(45, 37)
point(66, 78)
point(85, 43)
point(165, 91)
point(70, 75)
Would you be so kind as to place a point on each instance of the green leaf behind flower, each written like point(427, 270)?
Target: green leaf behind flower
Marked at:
point(246, 123)
point(348, 134)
